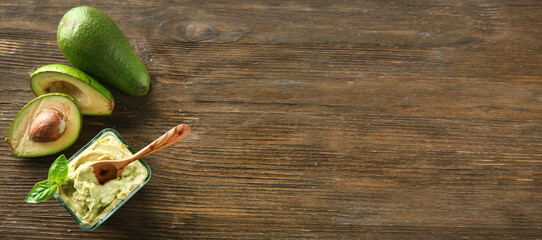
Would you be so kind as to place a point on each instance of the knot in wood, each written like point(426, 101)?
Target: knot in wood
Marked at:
point(197, 31)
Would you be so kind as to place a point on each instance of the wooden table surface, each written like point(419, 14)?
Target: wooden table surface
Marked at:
point(311, 119)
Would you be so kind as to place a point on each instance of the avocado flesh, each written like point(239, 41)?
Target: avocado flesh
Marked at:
point(93, 98)
point(18, 135)
point(92, 42)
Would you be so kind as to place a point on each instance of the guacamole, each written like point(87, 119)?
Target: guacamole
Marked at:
point(87, 198)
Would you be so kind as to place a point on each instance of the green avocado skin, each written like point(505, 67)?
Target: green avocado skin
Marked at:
point(92, 42)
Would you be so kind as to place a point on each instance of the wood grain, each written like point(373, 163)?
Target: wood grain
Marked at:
point(310, 119)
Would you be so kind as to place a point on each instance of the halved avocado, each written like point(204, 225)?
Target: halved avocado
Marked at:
point(92, 96)
point(46, 125)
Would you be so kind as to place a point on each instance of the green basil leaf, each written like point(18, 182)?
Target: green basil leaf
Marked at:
point(41, 192)
point(58, 172)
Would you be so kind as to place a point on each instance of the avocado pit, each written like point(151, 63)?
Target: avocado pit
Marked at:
point(49, 125)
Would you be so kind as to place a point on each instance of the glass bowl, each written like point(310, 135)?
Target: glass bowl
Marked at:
point(121, 202)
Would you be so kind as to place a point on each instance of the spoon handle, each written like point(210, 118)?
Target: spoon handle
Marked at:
point(170, 137)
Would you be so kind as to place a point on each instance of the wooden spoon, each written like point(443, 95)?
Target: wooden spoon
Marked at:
point(110, 169)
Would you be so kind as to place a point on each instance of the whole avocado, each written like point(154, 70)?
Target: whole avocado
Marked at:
point(92, 42)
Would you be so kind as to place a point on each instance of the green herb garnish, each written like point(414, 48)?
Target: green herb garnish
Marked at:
point(58, 172)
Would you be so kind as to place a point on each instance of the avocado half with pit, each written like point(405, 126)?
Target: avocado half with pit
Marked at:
point(46, 125)
point(93, 97)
